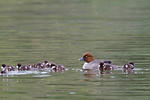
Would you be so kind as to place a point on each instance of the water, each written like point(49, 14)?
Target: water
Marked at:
point(60, 31)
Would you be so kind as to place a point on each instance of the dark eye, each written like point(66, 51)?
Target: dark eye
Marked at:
point(86, 56)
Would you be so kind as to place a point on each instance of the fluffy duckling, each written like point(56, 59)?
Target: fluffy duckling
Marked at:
point(19, 67)
point(11, 68)
point(128, 68)
point(103, 67)
point(4, 69)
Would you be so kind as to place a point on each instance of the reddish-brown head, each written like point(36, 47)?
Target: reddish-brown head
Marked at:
point(87, 57)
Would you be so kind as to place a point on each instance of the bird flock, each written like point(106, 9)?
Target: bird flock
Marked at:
point(40, 66)
point(90, 63)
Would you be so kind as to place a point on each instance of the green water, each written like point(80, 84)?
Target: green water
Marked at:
point(60, 31)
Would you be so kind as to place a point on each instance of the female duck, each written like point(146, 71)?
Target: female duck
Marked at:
point(90, 62)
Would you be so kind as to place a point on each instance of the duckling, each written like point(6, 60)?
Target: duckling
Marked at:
point(11, 68)
point(105, 67)
point(19, 67)
point(128, 68)
point(4, 69)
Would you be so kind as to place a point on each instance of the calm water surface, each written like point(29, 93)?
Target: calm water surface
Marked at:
point(60, 31)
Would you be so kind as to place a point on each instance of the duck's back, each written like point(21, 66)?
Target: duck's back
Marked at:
point(94, 64)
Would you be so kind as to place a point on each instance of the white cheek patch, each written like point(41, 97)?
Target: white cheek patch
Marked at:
point(17, 67)
point(126, 66)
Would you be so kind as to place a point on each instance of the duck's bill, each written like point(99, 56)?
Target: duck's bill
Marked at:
point(81, 59)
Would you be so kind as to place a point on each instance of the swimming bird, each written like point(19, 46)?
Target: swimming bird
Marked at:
point(46, 64)
point(90, 62)
point(4, 69)
point(60, 68)
point(11, 68)
point(101, 67)
point(105, 67)
point(19, 67)
point(57, 68)
point(128, 68)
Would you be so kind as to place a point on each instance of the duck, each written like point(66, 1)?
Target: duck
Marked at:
point(90, 62)
point(128, 68)
point(11, 68)
point(29, 67)
point(43, 65)
point(57, 68)
point(53, 67)
point(60, 68)
point(26, 68)
point(38, 65)
point(19, 67)
point(46, 64)
point(101, 67)
point(106, 67)
point(4, 69)
point(130, 65)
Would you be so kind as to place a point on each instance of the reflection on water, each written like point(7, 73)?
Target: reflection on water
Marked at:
point(60, 31)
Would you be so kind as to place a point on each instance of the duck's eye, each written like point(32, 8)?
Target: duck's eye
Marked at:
point(85, 56)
